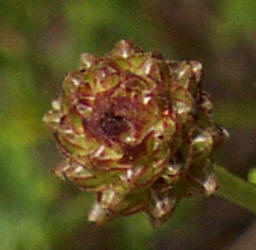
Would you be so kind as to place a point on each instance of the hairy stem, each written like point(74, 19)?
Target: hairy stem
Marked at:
point(235, 190)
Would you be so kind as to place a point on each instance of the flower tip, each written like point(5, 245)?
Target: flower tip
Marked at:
point(210, 185)
point(197, 68)
point(222, 134)
point(59, 171)
point(86, 60)
point(51, 119)
point(225, 133)
point(97, 214)
point(124, 49)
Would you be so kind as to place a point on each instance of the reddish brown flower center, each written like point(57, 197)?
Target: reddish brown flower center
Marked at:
point(112, 126)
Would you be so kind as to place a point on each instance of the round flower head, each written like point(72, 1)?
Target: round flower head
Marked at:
point(136, 129)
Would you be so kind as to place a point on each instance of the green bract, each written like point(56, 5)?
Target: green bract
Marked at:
point(137, 130)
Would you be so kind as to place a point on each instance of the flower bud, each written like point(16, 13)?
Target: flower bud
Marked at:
point(137, 130)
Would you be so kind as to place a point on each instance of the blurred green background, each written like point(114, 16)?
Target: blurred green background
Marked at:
point(41, 40)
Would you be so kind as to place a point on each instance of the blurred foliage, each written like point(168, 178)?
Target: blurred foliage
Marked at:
point(41, 40)
point(252, 175)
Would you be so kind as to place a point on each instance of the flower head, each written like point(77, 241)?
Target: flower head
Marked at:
point(136, 129)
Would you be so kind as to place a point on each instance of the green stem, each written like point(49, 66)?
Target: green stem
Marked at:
point(235, 190)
